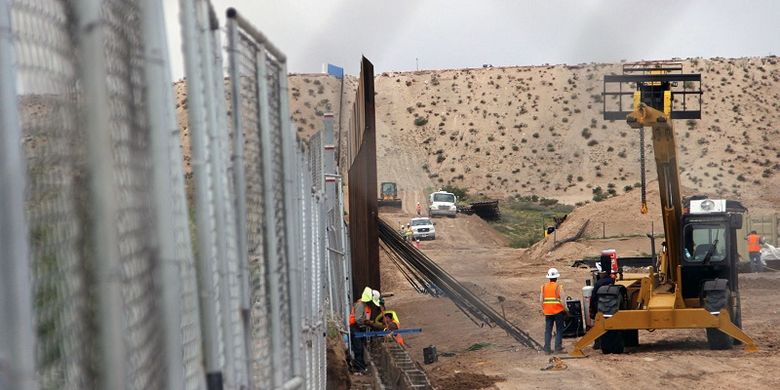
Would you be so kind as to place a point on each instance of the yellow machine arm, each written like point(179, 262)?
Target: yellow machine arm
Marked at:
point(665, 150)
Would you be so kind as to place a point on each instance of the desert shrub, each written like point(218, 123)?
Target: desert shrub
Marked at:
point(593, 142)
point(460, 192)
point(420, 121)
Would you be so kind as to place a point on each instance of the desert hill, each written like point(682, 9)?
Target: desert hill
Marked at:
point(539, 130)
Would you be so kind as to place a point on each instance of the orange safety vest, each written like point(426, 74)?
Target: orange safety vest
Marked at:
point(366, 310)
point(753, 243)
point(551, 299)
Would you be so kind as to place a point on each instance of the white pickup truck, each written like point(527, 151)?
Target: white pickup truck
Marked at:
point(423, 229)
point(442, 203)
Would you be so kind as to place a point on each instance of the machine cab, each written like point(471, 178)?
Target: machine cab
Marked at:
point(709, 244)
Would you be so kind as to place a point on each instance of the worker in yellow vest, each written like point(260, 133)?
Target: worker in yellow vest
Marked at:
point(754, 242)
point(554, 310)
point(408, 233)
point(388, 320)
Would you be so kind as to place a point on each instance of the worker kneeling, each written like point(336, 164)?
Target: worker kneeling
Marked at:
point(554, 310)
point(388, 320)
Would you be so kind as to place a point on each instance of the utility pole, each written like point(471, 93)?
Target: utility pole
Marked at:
point(417, 63)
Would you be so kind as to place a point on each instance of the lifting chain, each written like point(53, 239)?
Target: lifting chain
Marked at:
point(643, 208)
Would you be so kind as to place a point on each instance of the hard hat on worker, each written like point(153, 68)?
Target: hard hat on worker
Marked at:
point(367, 295)
point(375, 296)
point(553, 273)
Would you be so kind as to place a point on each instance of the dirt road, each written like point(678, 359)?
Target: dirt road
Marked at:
point(477, 256)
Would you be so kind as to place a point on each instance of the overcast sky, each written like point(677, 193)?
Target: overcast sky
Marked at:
point(459, 33)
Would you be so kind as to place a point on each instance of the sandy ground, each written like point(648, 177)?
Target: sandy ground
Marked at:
point(470, 250)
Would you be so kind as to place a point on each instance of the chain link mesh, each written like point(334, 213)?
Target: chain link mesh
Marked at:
point(273, 70)
point(132, 174)
point(246, 53)
point(315, 158)
point(46, 72)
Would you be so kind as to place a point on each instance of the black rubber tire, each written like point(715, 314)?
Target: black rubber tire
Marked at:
point(631, 337)
point(612, 340)
point(714, 300)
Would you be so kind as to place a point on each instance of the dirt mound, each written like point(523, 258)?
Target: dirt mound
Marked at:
point(466, 381)
point(614, 219)
point(338, 372)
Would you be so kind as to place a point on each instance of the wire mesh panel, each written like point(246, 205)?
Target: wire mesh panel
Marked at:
point(315, 160)
point(88, 147)
point(46, 73)
point(273, 69)
point(132, 168)
point(259, 71)
point(245, 53)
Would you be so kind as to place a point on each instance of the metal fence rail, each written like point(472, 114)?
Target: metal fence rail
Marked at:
point(122, 272)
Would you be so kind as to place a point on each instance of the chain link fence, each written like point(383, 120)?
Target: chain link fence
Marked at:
point(122, 272)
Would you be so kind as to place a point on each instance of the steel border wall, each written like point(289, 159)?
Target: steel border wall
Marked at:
point(362, 184)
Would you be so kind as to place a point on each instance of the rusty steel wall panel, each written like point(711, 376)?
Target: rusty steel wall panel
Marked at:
point(364, 242)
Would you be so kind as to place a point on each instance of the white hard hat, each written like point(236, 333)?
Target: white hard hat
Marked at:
point(375, 295)
point(553, 273)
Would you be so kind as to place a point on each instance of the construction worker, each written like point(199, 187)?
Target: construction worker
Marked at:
point(359, 320)
point(554, 310)
point(754, 243)
point(388, 320)
point(376, 307)
point(409, 232)
point(605, 279)
point(419, 209)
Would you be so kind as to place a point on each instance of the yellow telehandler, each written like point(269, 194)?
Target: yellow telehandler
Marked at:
point(693, 283)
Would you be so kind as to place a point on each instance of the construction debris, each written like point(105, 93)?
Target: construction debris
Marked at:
point(556, 364)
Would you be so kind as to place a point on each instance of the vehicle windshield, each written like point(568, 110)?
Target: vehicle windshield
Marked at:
point(387, 187)
point(449, 198)
point(701, 241)
point(421, 222)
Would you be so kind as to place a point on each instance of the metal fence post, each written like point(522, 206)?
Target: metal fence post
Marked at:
point(205, 254)
point(162, 124)
point(239, 182)
point(216, 124)
point(293, 269)
point(91, 33)
point(17, 337)
point(269, 240)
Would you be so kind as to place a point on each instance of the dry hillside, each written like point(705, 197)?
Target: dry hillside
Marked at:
point(539, 130)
